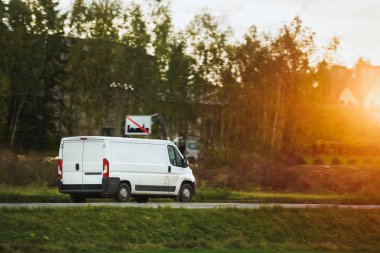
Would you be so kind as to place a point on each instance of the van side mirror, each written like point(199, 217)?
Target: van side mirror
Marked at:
point(185, 163)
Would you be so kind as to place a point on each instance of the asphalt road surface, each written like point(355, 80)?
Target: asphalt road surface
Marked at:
point(189, 205)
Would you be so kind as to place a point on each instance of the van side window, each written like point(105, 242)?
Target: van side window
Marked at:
point(174, 157)
point(178, 157)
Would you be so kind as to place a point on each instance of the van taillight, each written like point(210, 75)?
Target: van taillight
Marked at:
point(106, 168)
point(60, 168)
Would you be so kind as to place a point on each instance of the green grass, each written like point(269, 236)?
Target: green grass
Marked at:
point(45, 194)
point(224, 195)
point(51, 195)
point(30, 194)
point(225, 251)
point(89, 229)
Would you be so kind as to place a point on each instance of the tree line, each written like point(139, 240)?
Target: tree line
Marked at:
point(72, 73)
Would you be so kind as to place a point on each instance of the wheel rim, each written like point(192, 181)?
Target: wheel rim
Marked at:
point(123, 192)
point(186, 193)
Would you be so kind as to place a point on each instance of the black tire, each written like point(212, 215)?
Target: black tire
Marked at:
point(186, 193)
point(141, 199)
point(123, 193)
point(77, 198)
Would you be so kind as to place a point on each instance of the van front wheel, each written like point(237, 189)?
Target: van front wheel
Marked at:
point(123, 193)
point(186, 193)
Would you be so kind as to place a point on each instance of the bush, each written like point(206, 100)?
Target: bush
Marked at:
point(336, 161)
point(352, 161)
point(294, 160)
point(318, 161)
point(34, 168)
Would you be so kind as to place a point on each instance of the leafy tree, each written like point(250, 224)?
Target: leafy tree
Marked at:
point(77, 19)
point(32, 55)
point(4, 82)
point(207, 44)
point(179, 106)
point(142, 70)
point(162, 22)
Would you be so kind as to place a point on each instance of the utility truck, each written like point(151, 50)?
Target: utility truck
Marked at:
point(123, 168)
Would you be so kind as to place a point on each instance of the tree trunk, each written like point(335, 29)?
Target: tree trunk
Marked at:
point(16, 119)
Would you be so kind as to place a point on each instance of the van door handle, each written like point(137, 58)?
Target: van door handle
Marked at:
point(170, 169)
point(77, 166)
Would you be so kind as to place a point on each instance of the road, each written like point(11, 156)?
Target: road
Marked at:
point(189, 205)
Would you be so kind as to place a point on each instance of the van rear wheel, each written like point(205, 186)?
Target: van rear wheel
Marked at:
point(186, 193)
point(77, 198)
point(141, 199)
point(123, 193)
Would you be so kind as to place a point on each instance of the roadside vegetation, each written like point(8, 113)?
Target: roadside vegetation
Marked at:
point(44, 194)
point(88, 229)
point(225, 251)
point(32, 177)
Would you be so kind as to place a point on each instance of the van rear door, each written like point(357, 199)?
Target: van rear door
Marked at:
point(72, 162)
point(93, 154)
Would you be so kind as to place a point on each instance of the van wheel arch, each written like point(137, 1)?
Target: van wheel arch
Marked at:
point(126, 182)
point(123, 193)
point(190, 183)
point(189, 187)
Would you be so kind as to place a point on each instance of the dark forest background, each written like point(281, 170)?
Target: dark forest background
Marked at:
point(73, 73)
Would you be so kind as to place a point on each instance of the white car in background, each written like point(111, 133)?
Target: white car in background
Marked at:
point(190, 148)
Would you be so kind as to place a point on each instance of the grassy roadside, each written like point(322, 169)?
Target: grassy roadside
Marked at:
point(51, 195)
point(223, 195)
point(89, 229)
point(32, 194)
point(225, 251)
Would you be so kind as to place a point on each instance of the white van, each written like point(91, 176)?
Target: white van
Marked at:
point(94, 166)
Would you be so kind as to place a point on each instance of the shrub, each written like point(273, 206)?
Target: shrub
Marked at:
point(336, 161)
point(367, 161)
point(294, 160)
point(318, 161)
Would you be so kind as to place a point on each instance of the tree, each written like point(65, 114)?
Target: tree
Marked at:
point(35, 31)
point(162, 22)
point(4, 82)
point(207, 44)
point(179, 107)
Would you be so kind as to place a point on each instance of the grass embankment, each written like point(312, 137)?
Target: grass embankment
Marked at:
point(223, 251)
point(88, 229)
point(31, 194)
point(224, 195)
point(51, 195)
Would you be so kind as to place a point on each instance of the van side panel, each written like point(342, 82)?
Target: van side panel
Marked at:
point(123, 162)
point(154, 169)
point(72, 159)
point(93, 154)
point(142, 164)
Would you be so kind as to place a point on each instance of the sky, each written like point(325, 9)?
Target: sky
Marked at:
point(355, 22)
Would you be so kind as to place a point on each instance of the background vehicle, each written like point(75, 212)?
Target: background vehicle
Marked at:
point(189, 148)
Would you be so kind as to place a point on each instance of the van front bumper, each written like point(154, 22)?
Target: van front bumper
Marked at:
point(109, 185)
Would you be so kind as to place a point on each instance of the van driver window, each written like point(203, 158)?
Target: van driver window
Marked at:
point(172, 157)
point(177, 156)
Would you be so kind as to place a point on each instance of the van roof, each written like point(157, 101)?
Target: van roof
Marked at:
point(119, 139)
